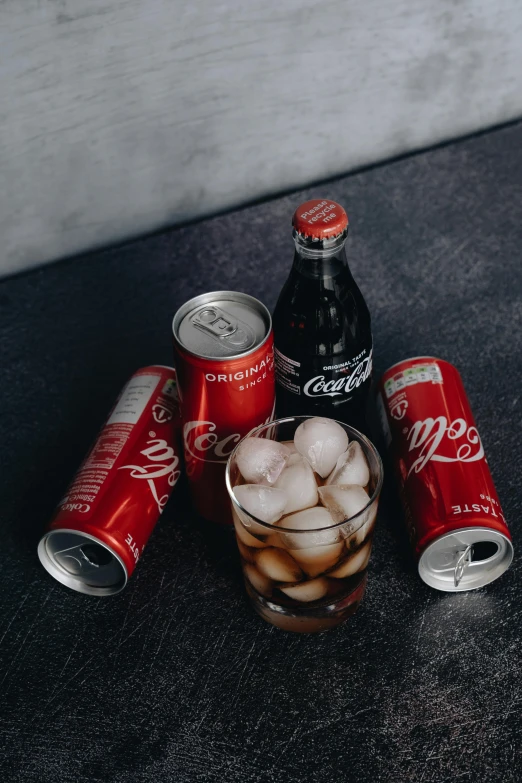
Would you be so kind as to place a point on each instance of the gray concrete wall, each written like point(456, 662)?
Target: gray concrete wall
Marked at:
point(119, 117)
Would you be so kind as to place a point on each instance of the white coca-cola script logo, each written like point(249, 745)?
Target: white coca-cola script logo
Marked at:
point(429, 435)
point(161, 413)
point(202, 442)
point(162, 462)
point(320, 387)
point(399, 409)
point(82, 508)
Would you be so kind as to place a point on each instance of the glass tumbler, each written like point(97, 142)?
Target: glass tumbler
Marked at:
point(306, 580)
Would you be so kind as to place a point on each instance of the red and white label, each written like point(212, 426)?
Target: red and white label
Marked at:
point(124, 483)
point(202, 440)
point(442, 441)
point(437, 451)
point(134, 399)
point(160, 462)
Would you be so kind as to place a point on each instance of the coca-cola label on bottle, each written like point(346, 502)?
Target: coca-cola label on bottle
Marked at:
point(318, 377)
point(322, 326)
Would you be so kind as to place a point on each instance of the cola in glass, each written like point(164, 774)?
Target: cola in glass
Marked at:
point(322, 328)
point(304, 494)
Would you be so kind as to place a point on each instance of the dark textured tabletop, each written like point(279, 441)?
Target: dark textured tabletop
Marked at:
point(176, 679)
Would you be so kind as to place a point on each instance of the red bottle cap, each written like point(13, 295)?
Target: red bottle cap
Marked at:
point(320, 219)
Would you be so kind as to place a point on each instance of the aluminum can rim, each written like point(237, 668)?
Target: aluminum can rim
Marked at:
point(207, 298)
point(70, 580)
point(490, 570)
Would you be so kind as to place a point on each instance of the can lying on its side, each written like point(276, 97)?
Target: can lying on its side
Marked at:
point(453, 514)
point(101, 526)
point(224, 355)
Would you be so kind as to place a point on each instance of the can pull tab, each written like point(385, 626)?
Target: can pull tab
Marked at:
point(218, 323)
point(84, 558)
point(215, 321)
point(462, 563)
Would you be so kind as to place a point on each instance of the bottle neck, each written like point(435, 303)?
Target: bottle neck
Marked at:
point(320, 258)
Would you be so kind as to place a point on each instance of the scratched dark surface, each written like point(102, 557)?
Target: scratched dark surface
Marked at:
point(176, 679)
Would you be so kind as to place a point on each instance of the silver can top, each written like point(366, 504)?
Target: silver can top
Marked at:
point(465, 559)
point(221, 325)
point(82, 562)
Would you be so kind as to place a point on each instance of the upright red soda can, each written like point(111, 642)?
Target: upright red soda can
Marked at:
point(101, 526)
point(224, 356)
point(455, 521)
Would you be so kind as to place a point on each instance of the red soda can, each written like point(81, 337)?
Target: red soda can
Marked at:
point(453, 514)
point(103, 522)
point(224, 356)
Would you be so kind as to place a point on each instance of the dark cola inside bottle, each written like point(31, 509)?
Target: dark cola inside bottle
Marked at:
point(322, 328)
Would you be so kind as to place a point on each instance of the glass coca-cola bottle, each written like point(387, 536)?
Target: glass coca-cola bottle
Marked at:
point(322, 328)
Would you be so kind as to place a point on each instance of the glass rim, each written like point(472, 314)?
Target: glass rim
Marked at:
point(276, 526)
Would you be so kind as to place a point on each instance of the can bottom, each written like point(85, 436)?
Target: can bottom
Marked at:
point(465, 559)
point(82, 562)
